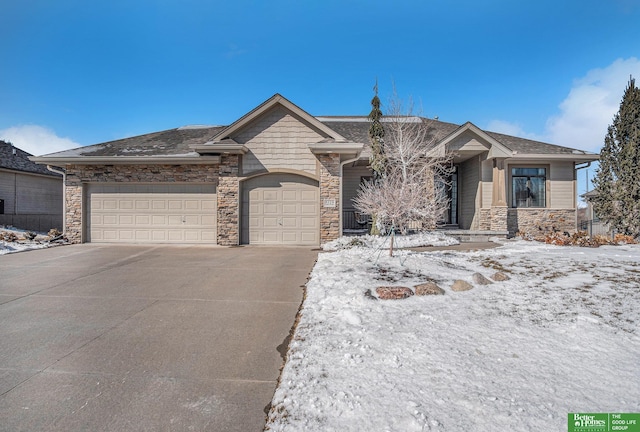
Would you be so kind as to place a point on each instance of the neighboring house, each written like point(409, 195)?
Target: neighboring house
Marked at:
point(30, 194)
point(279, 175)
point(592, 223)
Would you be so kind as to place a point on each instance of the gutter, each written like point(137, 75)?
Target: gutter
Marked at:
point(64, 196)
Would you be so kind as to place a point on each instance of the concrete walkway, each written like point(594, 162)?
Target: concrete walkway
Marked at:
point(144, 338)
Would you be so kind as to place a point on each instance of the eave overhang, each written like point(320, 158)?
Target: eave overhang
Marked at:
point(126, 160)
point(220, 148)
point(578, 157)
point(333, 147)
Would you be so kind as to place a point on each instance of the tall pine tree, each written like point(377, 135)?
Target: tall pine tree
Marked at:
point(376, 136)
point(617, 180)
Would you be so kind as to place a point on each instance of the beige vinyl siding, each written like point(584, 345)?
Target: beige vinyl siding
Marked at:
point(278, 139)
point(351, 184)
point(487, 183)
point(469, 190)
point(561, 185)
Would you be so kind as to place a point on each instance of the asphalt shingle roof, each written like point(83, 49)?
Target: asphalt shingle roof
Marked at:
point(20, 161)
point(174, 142)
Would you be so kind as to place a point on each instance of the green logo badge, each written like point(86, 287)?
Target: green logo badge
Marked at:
point(604, 422)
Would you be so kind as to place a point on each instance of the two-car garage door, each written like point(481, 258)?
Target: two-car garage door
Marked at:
point(151, 213)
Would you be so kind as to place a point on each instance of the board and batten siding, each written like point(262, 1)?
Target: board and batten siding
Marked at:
point(469, 190)
point(278, 139)
point(31, 201)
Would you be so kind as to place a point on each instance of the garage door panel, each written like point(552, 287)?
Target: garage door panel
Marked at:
point(152, 213)
point(290, 209)
point(289, 195)
point(308, 195)
point(280, 209)
point(125, 220)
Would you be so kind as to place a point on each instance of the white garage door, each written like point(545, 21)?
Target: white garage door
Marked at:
point(151, 213)
point(280, 209)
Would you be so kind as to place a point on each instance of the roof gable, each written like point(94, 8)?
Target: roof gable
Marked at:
point(470, 139)
point(269, 104)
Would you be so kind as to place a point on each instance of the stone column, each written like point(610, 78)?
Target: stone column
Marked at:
point(73, 204)
point(229, 201)
point(329, 197)
point(498, 214)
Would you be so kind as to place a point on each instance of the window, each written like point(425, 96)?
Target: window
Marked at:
point(529, 187)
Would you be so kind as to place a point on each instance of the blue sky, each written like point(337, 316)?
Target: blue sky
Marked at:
point(78, 73)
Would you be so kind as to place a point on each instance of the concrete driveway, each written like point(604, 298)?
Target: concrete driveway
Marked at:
point(144, 338)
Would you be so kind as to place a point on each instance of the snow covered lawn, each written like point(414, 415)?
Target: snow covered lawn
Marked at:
point(562, 335)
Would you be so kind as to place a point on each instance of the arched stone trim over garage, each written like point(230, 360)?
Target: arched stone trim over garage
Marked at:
point(280, 208)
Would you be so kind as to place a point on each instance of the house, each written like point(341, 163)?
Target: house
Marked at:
point(279, 175)
point(592, 223)
point(30, 194)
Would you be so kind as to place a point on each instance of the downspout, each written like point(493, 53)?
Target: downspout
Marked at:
point(64, 196)
point(342, 164)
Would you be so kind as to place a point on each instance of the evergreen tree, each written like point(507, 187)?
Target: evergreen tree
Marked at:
point(376, 136)
point(617, 180)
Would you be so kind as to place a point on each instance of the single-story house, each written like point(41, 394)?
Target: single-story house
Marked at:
point(30, 194)
point(279, 175)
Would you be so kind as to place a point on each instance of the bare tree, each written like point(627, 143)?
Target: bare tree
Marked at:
point(411, 193)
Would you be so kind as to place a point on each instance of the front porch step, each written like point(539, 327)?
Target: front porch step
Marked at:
point(469, 236)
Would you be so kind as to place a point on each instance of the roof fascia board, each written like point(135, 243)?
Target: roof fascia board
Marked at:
point(221, 148)
point(340, 148)
point(126, 160)
point(497, 149)
point(556, 156)
point(29, 173)
point(265, 106)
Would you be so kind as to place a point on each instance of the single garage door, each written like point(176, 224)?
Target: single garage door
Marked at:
point(151, 213)
point(280, 209)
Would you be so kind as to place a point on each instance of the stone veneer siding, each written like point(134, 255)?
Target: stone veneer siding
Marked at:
point(79, 174)
point(539, 220)
point(329, 190)
point(228, 202)
point(484, 224)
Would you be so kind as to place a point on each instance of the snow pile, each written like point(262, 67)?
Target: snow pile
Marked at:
point(560, 336)
point(435, 238)
point(22, 244)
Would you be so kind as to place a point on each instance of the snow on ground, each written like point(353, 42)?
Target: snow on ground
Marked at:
point(560, 336)
point(41, 241)
point(383, 242)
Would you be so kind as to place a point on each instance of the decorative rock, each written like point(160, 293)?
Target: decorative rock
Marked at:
point(428, 288)
point(393, 293)
point(500, 276)
point(460, 285)
point(481, 280)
